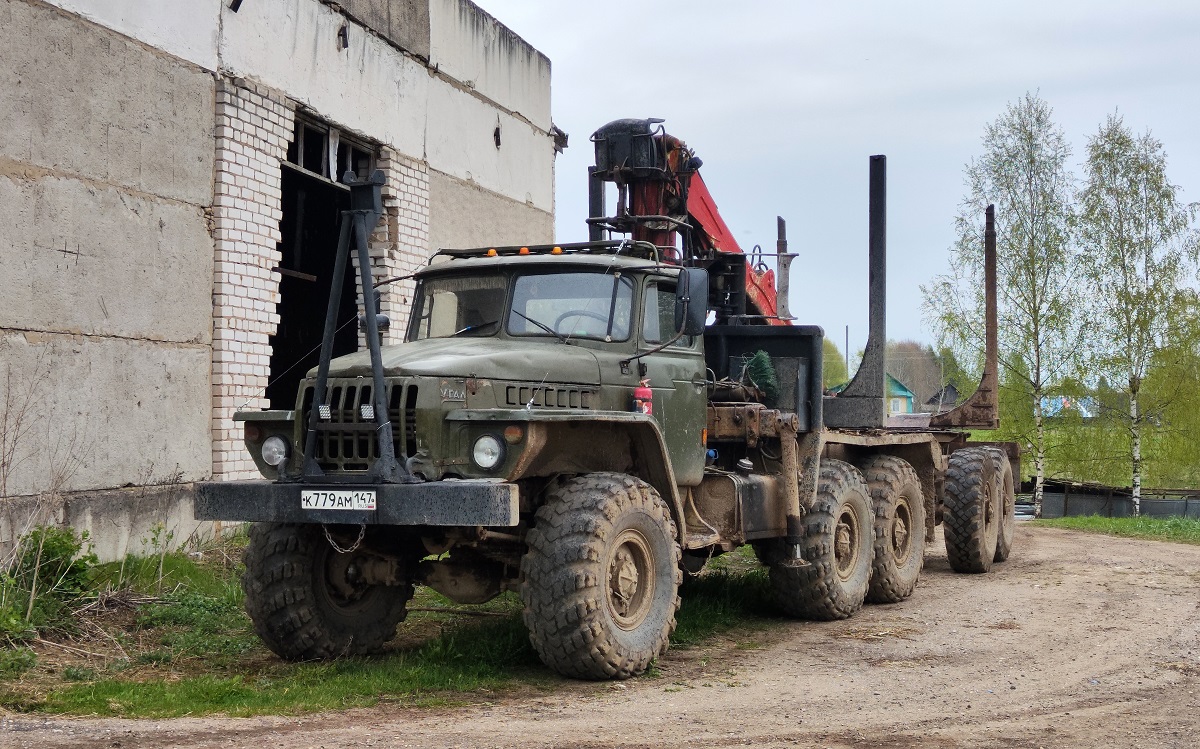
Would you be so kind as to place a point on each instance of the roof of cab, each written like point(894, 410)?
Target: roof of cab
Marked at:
point(604, 254)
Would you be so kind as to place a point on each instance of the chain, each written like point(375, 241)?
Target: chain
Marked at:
point(362, 531)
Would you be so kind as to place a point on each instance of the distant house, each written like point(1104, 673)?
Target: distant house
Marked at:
point(899, 398)
point(943, 400)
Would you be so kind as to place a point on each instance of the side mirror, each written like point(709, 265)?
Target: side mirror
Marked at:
point(691, 301)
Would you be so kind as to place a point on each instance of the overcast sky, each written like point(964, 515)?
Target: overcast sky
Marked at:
point(785, 101)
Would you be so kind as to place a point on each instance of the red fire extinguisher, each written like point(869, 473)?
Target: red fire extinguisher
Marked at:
point(643, 398)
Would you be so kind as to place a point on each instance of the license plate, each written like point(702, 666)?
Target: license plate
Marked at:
point(337, 499)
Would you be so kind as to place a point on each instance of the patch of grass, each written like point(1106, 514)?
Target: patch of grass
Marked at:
point(15, 661)
point(171, 639)
point(469, 657)
point(721, 600)
point(49, 571)
point(75, 673)
point(1178, 529)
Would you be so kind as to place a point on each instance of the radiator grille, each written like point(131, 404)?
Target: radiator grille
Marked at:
point(549, 396)
point(346, 441)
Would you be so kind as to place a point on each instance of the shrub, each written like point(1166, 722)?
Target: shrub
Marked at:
point(51, 568)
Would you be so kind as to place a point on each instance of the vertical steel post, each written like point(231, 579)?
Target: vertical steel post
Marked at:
point(863, 403)
point(309, 468)
point(783, 272)
point(596, 203)
point(366, 206)
point(982, 408)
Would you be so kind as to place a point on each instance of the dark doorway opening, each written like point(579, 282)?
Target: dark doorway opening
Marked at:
point(312, 209)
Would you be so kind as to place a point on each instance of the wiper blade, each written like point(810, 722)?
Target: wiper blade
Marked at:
point(543, 326)
point(476, 326)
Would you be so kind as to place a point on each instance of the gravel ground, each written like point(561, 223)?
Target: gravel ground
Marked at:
point(1077, 641)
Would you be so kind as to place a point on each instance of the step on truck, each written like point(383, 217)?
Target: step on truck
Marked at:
point(586, 424)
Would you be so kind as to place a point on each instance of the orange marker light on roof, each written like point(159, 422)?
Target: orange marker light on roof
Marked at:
point(492, 252)
point(523, 251)
point(556, 251)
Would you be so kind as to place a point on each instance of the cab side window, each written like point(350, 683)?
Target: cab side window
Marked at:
point(658, 314)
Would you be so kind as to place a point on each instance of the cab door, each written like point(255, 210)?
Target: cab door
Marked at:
point(677, 377)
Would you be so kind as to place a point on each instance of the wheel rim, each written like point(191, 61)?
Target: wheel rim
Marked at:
point(630, 579)
point(845, 543)
point(902, 531)
point(337, 582)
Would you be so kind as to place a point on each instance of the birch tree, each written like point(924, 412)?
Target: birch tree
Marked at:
point(833, 365)
point(1139, 249)
point(1023, 171)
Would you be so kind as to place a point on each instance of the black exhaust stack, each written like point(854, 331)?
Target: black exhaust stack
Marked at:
point(863, 404)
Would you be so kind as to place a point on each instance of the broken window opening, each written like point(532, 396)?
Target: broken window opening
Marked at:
point(312, 202)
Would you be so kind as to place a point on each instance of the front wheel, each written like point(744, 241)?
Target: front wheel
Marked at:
point(308, 601)
point(600, 581)
point(838, 546)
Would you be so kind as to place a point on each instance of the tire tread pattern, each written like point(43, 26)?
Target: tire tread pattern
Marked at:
point(1008, 516)
point(287, 613)
point(815, 591)
point(889, 477)
point(970, 544)
point(563, 585)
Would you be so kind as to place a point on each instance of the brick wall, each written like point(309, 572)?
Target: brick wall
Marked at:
point(403, 244)
point(253, 129)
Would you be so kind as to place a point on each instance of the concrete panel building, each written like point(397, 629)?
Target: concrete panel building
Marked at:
point(168, 215)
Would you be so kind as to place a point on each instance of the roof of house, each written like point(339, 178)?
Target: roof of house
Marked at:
point(895, 388)
point(947, 397)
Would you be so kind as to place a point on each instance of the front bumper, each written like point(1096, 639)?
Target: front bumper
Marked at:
point(457, 503)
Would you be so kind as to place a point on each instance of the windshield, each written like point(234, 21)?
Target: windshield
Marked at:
point(459, 305)
point(572, 305)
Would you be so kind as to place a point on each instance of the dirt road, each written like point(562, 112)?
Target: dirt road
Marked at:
point(1078, 641)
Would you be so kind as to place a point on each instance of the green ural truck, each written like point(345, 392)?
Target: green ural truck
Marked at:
point(588, 423)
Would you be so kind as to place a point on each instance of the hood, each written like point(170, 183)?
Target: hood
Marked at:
point(485, 358)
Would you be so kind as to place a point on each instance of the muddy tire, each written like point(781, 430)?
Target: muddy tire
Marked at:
point(972, 510)
point(899, 507)
point(303, 602)
point(838, 546)
point(600, 581)
point(1008, 505)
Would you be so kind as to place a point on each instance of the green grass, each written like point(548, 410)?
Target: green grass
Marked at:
point(191, 650)
point(489, 655)
point(734, 592)
point(1180, 530)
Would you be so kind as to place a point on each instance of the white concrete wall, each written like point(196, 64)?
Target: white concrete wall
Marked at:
point(486, 76)
point(471, 46)
point(184, 28)
point(374, 90)
point(291, 46)
point(106, 167)
point(461, 143)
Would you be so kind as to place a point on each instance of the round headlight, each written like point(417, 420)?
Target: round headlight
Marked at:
point(274, 450)
point(488, 452)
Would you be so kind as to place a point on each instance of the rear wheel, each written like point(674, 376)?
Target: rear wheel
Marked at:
point(899, 508)
point(1008, 505)
point(308, 601)
point(972, 510)
point(837, 546)
point(600, 581)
